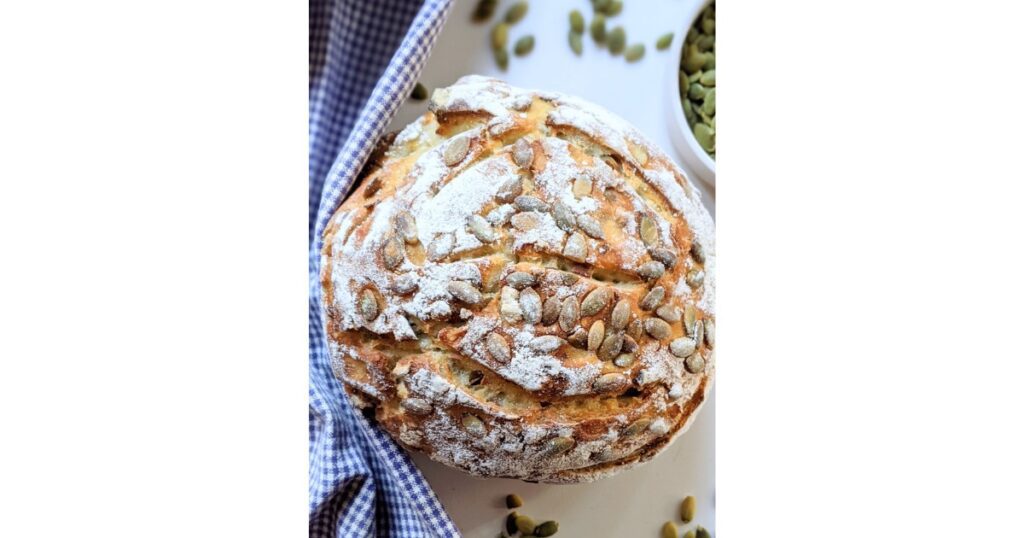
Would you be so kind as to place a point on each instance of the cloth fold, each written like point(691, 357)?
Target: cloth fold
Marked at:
point(365, 58)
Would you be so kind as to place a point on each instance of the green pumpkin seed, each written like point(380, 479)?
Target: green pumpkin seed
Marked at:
point(668, 530)
point(709, 102)
point(688, 509)
point(664, 41)
point(693, 59)
point(601, 6)
point(709, 60)
point(614, 8)
point(688, 112)
point(690, 534)
point(501, 58)
point(516, 12)
point(524, 45)
point(692, 35)
point(701, 532)
point(576, 21)
point(419, 92)
point(597, 28)
point(525, 524)
point(484, 10)
point(548, 528)
point(684, 84)
point(707, 79)
point(576, 42)
point(617, 40)
point(513, 501)
point(499, 36)
point(705, 136)
point(705, 42)
point(635, 52)
point(510, 524)
point(708, 25)
point(696, 92)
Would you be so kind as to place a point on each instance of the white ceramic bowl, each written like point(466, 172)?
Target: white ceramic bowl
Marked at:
point(694, 156)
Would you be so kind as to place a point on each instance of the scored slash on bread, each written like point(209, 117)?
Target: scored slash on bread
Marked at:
point(523, 286)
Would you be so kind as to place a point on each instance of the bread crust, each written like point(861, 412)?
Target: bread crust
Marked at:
point(523, 286)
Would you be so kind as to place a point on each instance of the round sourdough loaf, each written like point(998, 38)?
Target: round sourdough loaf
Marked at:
point(523, 286)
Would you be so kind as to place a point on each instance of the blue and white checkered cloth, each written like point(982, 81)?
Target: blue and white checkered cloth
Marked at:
point(365, 57)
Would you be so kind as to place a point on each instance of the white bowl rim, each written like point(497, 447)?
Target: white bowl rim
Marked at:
point(694, 154)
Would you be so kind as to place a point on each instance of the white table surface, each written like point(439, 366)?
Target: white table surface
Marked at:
point(639, 501)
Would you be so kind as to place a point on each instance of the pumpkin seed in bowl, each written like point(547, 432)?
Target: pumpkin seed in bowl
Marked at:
point(697, 79)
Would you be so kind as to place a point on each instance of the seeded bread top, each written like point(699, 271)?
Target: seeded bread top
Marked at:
point(523, 286)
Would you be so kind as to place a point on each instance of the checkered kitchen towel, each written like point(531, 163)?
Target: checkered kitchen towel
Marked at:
point(364, 58)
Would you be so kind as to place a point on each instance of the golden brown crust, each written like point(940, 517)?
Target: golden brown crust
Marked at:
point(523, 286)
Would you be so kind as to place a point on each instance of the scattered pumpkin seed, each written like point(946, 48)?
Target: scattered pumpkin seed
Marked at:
point(595, 335)
point(464, 291)
point(510, 524)
point(576, 248)
point(614, 8)
point(564, 217)
point(688, 509)
point(600, 6)
point(689, 318)
point(578, 338)
point(664, 256)
point(620, 315)
point(636, 427)
point(481, 229)
point(549, 312)
point(557, 446)
point(597, 28)
point(513, 501)
point(653, 298)
point(624, 360)
point(664, 41)
point(526, 202)
point(393, 252)
point(516, 12)
point(530, 303)
point(610, 382)
point(597, 299)
point(524, 45)
point(419, 92)
point(576, 23)
point(694, 363)
point(368, 305)
point(657, 328)
point(499, 36)
point(705, 136)
point(546, 343)
point(570, 314)
point(682, 347)
point(456, 150)
point(634, 52)
point(668, 530)
point(484, 9)
point(701, 532)
point(548, 528)
point(498, 348)
point(617, 40)
point(690, 534)
point(649, 231)
point(501, 58)
point(611, 347)
point(522, 155)
point(669, 313)
point(636, 329)
point(525, 525)
point(651, 270)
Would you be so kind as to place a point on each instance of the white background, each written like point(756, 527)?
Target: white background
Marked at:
point(153, 296)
